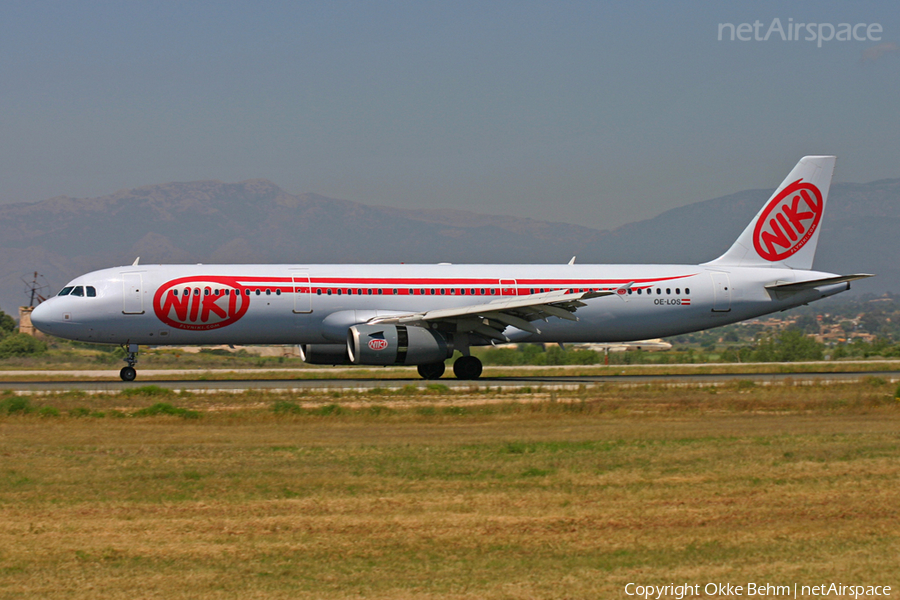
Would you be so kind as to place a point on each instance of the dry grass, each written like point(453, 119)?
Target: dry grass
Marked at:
point(537, 495)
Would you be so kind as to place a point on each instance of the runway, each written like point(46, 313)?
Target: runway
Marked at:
point(544, 382)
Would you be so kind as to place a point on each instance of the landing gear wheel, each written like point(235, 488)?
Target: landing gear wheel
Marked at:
point(127, 373)
point(467, 367)
point(431, 371)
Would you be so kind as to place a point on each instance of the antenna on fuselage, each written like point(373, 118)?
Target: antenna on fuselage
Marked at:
point(136, 261)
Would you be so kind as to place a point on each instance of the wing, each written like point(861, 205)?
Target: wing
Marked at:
point(490, 319)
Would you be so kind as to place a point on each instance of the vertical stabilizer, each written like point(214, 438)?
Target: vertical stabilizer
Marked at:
point(785, 232)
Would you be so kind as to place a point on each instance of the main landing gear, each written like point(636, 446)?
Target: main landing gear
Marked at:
point(128, 373)
point(431, 370)
point(465, 367)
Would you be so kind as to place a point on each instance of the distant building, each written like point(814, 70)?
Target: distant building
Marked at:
point(25, 325)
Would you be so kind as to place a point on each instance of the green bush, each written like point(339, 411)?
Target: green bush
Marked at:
point(7, 324)
point(147, 390)
point(164, 408)
point(15, 404)
point(283, 407)
point(19, 344)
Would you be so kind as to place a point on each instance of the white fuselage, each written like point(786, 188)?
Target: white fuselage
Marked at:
point(315, 304)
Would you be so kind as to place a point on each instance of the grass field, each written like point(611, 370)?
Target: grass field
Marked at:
point(442, 494)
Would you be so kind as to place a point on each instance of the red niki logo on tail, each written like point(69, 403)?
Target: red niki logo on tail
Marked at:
point(201, 303)
point(788, 221)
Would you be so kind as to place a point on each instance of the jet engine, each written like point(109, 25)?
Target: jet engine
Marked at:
point(324, 354)
point(396, 345)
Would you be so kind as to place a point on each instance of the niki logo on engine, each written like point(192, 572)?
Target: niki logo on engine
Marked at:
point(201, 303)
point(378, 344)
point(788, 221)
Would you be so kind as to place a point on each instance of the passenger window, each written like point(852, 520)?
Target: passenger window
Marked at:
point(380, 291)
point(639, 291)
point(658, 291)
point(668, 290)
point(78, 291)
point(395, 291)
point(678, 291)
point(91, 291)
point(206, 291)
point(319, 292)
point(259, 291)
point(687, 290)
point(328, 291)
point(65, 291)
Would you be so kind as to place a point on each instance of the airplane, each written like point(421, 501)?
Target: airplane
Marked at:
point(420, 314)
point(655, 345)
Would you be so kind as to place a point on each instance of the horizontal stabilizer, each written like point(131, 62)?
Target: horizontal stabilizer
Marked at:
point(808, 285)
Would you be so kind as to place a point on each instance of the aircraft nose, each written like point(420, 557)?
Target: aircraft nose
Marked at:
point(40, 317)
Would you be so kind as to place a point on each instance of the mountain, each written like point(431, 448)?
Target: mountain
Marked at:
point(256, 221)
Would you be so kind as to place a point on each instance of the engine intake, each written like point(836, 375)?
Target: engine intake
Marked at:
point(396, 345)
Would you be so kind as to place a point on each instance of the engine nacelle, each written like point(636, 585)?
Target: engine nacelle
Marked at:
point(324, 354)
point(396, 345)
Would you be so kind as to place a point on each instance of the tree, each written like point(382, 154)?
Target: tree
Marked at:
point(19, 344)
point(7, 324)
point(789, 345)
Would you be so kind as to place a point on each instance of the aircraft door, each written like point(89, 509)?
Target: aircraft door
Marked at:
point(132, 294)
point(302, 292)
point(721, 291)
point(507, 287)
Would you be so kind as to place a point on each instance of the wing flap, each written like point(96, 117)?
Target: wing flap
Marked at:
point(558, 303)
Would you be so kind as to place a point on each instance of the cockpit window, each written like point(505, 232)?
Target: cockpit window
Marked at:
point(78, 291)
point(65, 291)
point(91, 291)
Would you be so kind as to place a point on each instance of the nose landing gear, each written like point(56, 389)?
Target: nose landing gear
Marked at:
point(128, 373)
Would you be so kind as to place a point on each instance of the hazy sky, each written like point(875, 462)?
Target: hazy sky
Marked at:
point(586, 112)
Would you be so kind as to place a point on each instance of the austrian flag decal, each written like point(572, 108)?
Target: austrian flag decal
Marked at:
point(788, 221)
